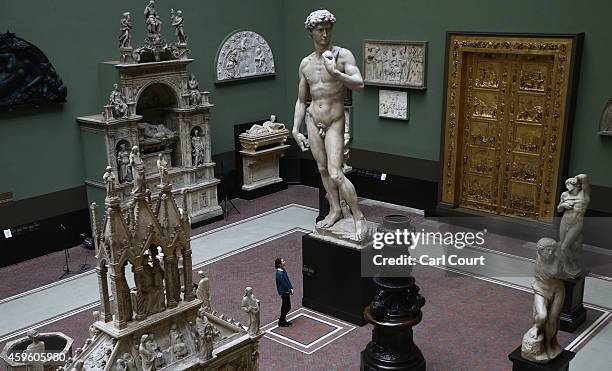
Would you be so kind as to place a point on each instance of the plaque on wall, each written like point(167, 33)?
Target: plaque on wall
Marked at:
point(605, 123)
point(27, 78)
point(244, 55)
point(399, 64)
point(506, 122)
point(393, 104)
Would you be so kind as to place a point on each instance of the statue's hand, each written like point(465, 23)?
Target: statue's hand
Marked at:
point(301, 141)
point(329, 62)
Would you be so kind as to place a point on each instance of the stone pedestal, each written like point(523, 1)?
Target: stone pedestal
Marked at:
point(561, 363)
point(573, 314)
point(394, 310)
point(332, 281)
point(261, 153)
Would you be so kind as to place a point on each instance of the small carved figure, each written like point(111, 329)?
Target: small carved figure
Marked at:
point(118, 102)
point(206, 334)
point(129, 361)
point(177, 22)
point(203, 290)
point(109, 180)
point(120, 365)
point(178, 344)
point(124, 37)
point(149, 9)
point(197, 148)
point(540, 342)
point(250, 305)
point(146, 354)
point(162, 166)
point(123, 164)
point(195, 97)
point(573, 205)
point(158, 300)
point(137, 170)
point(36, 347)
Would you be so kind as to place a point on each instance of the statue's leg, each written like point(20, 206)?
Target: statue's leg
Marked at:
point(540, 312)
point(317, 148)
point(334, 145)
point(552, 324)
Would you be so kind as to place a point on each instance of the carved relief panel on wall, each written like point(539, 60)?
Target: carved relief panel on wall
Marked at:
point(505, 121)
point(244, 54)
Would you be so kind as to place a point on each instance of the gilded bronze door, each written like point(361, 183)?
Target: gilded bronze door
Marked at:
point(505, 115)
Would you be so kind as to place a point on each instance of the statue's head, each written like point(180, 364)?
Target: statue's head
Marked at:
point(109, 169)
point(248, 291)
point(179, 13)
point(33, 335)
point(546, 249)
point(135, 149)
point(319, 25)
point(272, 118)
point(573, 184)
point(126, 15)
point(201, 274)
point(115, 86)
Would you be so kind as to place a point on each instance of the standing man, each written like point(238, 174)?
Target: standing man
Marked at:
point(284, 288)
point(324, 76)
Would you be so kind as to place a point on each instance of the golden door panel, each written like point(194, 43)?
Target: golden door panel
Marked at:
point(504, 123)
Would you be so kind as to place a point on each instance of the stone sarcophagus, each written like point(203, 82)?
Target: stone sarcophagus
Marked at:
point(262, 147)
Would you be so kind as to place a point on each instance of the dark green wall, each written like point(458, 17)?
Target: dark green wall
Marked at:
point(41, 149)
point(429, 21)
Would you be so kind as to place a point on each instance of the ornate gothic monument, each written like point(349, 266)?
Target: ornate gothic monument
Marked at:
point(158, 323)
point(157, 110)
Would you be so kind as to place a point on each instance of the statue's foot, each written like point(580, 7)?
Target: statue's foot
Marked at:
point(554, 351)
point(330, 219)
point(360, 228)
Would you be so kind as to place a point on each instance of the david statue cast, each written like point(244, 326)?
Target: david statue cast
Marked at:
point(324, 76)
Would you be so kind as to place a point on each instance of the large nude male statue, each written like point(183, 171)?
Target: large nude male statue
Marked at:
point(324, 76)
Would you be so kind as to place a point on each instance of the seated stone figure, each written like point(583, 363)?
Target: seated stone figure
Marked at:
point(540, 342)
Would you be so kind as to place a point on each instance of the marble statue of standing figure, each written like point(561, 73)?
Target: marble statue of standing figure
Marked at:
point(250, 305)
point(197, 148)
point(109, 180)
point(573, 205)
point(203, 290)
point(137, 170)
point(36, 346)
point(162, 166)
point(540, 342)
point(123, 164)
point(195, 97)
point(177, 21)
point(125, 37)
point(324, 75)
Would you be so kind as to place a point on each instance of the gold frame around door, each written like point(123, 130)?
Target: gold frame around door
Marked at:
point(550, 147)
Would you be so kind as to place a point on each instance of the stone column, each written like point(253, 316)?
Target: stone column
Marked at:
point(105, 310)
point(187, 275)
point(119, 319)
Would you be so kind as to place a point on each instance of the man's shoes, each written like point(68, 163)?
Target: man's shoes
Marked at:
point(285, 324)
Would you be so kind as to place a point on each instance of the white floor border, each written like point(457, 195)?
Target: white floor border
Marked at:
point(304, 312)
